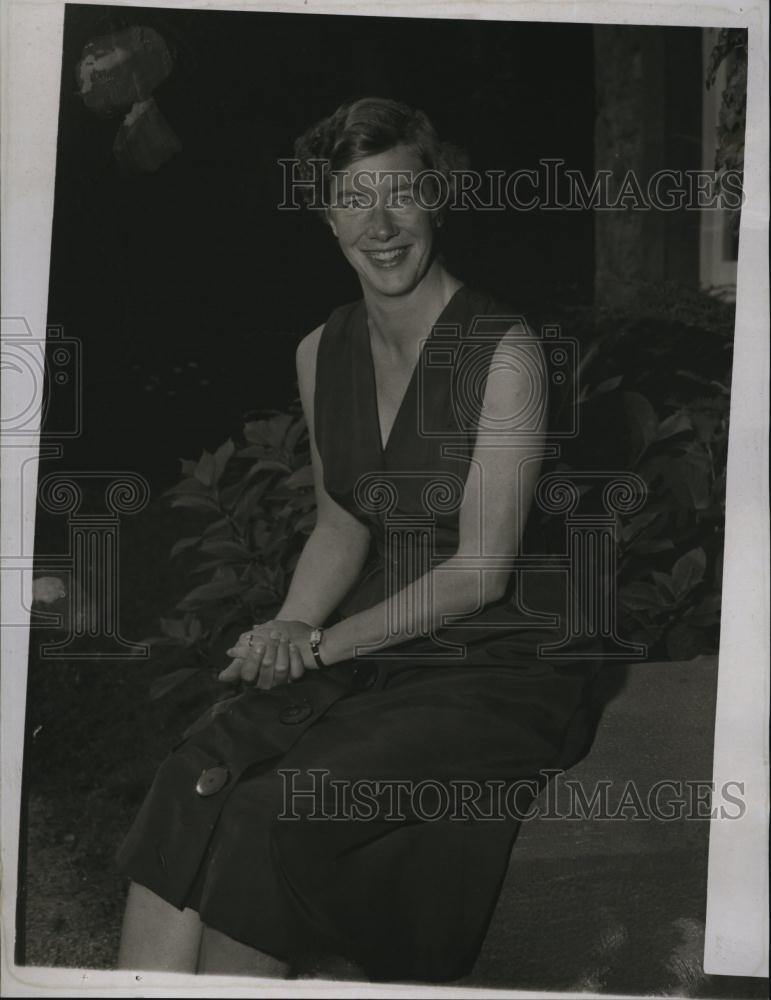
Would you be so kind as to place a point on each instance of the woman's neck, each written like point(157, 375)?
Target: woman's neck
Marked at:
point(399, 321)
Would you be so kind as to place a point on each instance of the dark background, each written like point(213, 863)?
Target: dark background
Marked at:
point(189, 290)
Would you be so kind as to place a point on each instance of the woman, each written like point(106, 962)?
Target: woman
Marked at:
point(425, 404)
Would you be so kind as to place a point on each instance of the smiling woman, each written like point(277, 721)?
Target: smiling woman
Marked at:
point(384, 234)
point(403, 651)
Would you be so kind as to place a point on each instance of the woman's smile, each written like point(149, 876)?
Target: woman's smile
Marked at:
point(387, 258)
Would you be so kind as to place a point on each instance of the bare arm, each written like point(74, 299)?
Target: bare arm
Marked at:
point(497, 496)
point(336, 549)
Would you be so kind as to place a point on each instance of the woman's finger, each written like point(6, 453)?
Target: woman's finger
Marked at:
point(281, 664)
point(232, 672)
point(243, 644)
point(253, 661)
point(271, 648)
point(296, 665)
point(265, 678)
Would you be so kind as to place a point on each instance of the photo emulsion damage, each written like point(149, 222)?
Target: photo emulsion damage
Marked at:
point(380, 500)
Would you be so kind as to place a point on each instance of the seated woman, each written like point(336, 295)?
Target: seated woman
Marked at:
point(402, 653)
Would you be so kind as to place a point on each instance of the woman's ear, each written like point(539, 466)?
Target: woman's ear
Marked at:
point(329, 221)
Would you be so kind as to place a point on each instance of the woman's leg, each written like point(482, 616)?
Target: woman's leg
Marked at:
point(156, 935)
point(221, 955)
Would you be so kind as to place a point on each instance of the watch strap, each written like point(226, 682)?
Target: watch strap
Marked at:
point(315, 643)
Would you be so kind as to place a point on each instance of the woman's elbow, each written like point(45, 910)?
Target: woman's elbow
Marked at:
point(474, 590)
point(494, 588)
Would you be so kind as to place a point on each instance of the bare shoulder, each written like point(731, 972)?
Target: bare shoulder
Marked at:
point(517, 379)
point(518, 357)
point(307, 349)
point(306, 352)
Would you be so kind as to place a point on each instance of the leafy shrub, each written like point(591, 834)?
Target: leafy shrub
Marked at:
point(654, 400)
point(257, 507)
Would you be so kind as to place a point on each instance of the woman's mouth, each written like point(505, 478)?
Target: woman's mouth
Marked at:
point(387, 258)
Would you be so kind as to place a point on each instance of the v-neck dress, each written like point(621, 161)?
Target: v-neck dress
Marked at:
point(279, 816)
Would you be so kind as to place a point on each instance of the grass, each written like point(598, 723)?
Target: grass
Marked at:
point(94, 740)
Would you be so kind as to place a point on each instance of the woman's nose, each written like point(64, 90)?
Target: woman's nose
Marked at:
point(380, 224)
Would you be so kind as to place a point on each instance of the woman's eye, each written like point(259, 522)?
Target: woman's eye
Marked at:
point(402, 200)
point(354, 201)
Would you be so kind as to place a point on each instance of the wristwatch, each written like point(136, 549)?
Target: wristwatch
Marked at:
point(315, 642)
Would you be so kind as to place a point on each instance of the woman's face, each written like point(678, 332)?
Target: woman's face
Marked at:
point(386, 236)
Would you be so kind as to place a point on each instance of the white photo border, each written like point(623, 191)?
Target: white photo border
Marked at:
point(737, 905)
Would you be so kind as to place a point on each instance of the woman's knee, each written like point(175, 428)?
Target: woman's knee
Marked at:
point(156, 935)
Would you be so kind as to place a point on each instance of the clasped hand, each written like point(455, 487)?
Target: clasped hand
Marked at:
point(278, 653)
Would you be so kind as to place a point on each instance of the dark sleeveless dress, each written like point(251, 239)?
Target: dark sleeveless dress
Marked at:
point(403, 886)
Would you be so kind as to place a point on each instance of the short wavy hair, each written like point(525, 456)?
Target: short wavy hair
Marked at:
point(363, 127)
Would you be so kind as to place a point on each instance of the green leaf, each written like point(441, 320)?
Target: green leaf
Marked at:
point(706, 613)
point(205, 567)
point(665, 585)
point(174, 627)
point(278, 426)
point(168, 682)
point(210, 593)
point(256, 432)
point(609, 384)
point(688, 572)
point(302, 477)
point(268, 465)
point(649, 547)
point(260, 596)
point(221, 458)
point(182, 544)
point(161, 640)
point(677, 423)
point(637, 523)
point(688, 479)
point(193, 501)
point(187, 467)
point(228, 495)
point(225, 573)
point(301, 501)
point(640, 596)
point(205, 469)
point(654, 466)
point(228, 618)
point(307, 522)
point(254, 451)
point(226, 549)
point(683, 642)
point(294, 434)
point(222, 526)
point(642, 423)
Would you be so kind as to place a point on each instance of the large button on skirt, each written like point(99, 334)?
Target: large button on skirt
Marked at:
point(248, 820)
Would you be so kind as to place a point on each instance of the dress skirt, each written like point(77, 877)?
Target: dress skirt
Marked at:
point(366, 811)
